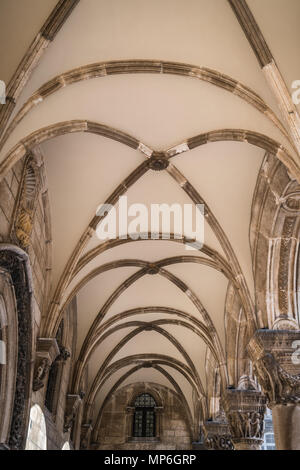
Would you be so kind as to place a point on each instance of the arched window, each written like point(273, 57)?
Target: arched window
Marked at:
point(144, 416)
point(37, 436)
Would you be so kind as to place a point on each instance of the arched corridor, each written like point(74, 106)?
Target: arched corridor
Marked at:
point(149, 225)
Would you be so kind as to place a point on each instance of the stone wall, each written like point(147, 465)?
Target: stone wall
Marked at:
point(39, 247)
point(8, 193)
point(56, 435)
point(115, 431)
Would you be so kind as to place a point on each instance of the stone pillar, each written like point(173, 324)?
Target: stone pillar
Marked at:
point(73, 403)
point(276, 363)
point(129, 421)
point(158, 420)
point(217, 436)
point(245, 411)
point(86, 432)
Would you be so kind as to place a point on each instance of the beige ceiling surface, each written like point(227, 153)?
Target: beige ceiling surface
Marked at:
point(18, 26)
point(161, 111)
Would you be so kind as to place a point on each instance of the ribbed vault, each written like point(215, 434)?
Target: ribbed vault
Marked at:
point(116, 120)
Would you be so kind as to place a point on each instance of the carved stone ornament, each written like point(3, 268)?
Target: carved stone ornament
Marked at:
point(276, 365)
point(245, 411)
point(14, 261)
point(64, 354)
point(152, 269)
point(73, 403)
point(47, 351)
point(86, 431)
point(158, 161)
point(26, 204)
point(217, 436)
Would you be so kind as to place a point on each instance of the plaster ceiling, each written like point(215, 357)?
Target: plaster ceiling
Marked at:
point(161, 111)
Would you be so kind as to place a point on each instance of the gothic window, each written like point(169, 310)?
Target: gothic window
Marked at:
point(144, 416)
point(37, 436)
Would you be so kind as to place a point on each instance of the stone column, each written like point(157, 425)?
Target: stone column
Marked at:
point(245, 411)
point(217, 436)
point(158, 421)
point(86, 433)
point(129, 421)
point(276, 362)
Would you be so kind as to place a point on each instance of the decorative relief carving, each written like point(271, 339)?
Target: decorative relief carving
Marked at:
point(41, 374)
point(279, 386)
point(64, 354)
point(271, 352)
point(152, 269)
point(217, 436)
point(215, 442)
point(26, 203)
point(283, 272)
point(245, 411)
point(14, 263)
point(247, 425)
point(73, 403)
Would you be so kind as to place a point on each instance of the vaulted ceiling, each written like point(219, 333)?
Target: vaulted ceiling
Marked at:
point(127, 314)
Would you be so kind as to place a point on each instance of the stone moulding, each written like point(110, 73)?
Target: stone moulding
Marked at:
point(30, 60)
point(269, 67)
point(102, 69)
point(15, 261)
point(245, 411)
point(217, 436)
point(77, 126)
point(220, 135)
point(25, 205)
point(272, 353)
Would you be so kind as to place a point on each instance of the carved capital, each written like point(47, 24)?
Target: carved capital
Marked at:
point(277, 364)
point(217, 436)
point(245, 411)
point(47, 351)
point(73, 403)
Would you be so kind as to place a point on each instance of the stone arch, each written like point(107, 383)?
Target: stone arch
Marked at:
point(275, 230)
point(220, 135)
point(189, 369)
point(102, 69)
point(147, 360)
point(92, 334)
point(128, 374)
point(135, 389)
point(14, 261)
